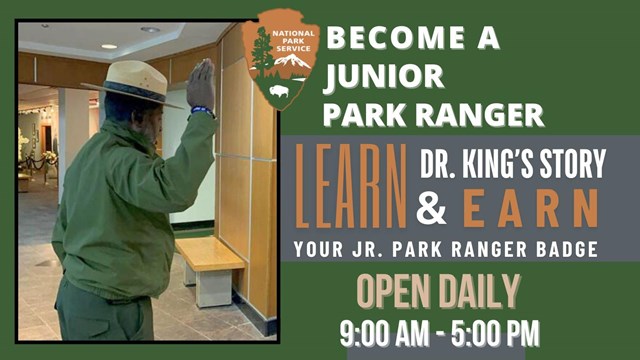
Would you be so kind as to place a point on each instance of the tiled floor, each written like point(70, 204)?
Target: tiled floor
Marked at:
point(176, 317)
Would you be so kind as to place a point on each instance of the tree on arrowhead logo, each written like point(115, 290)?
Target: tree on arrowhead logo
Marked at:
point(280, 51)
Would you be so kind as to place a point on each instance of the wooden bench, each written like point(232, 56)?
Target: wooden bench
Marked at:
point(23, 183)
point(208, 265)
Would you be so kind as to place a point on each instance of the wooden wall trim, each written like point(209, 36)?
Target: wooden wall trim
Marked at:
point(196, 49)
point(47, 71)
point(59, 71)
point(209, 46)
point(185, 52)
point(26, 71)
point(182, 65)
point(227, 30)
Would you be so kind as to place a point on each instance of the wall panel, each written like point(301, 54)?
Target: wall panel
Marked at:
point(183, 64)
point(234, 203)
point(261, 223)
point(272, 310)
point(69, 73)
point(236, 110)
point(263, 126)
point(25, 68)
point(247, 201)
point(162, 65)
point(233, 47)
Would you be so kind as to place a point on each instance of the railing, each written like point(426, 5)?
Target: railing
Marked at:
point(32, 164)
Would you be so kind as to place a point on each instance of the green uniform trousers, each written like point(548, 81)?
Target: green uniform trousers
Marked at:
point(86, 316)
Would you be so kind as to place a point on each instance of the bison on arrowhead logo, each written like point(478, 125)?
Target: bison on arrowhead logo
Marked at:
point(280, 51)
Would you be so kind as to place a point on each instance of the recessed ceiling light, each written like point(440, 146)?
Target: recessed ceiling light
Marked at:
point(46, 26)
point(150, 29)
point(109, 46)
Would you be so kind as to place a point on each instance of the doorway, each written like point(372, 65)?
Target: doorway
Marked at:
point(46, 138)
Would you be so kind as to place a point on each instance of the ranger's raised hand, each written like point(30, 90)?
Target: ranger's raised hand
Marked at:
point(200, 90)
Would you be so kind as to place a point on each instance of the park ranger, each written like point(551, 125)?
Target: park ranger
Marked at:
point(112, 234)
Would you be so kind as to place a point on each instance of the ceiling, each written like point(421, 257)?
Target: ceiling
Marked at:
point(83, 40)
point(35, 96)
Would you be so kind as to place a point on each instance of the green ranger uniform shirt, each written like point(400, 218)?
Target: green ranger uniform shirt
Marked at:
point(112, 234)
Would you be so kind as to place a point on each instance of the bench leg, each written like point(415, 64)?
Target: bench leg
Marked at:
point(213, 288)
point(189, 275)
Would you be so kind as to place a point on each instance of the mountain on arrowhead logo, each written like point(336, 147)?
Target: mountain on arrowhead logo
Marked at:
point(295, 61)
point(280, 51)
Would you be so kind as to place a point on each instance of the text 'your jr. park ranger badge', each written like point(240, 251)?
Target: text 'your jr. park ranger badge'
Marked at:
point(280, 52)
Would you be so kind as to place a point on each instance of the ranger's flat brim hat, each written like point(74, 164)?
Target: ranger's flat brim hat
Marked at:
point(137, 79)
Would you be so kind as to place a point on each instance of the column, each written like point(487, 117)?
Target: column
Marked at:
point(73, 128)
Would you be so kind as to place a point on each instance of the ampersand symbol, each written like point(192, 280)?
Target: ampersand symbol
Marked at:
point(428, 206)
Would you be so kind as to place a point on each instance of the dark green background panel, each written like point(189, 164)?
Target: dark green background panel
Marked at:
point(579, 60)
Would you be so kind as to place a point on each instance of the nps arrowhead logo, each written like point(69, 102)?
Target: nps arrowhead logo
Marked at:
point(280, 51)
